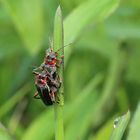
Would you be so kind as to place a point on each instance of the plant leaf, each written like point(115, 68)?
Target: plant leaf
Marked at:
point(5, 108)
point(76, 21)
point(104, 131)
point(4, 135)
point(120, 125)
point(134, 133)
point(58, 44)
point(28, 20)
point(82, 16)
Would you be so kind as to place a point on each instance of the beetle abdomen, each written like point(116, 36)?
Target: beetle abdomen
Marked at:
point(44, 95)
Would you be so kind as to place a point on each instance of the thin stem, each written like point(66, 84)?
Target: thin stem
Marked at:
point(58, 43)
point(110, 88)
point(59, 129)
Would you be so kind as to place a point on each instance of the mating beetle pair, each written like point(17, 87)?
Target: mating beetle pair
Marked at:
point(47, 80)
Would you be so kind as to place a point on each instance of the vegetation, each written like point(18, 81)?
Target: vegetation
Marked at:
point(101, 69)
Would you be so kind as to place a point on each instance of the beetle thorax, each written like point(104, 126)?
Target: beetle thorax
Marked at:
point(40, 79)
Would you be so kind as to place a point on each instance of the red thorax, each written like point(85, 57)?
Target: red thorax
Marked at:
point(52, 62)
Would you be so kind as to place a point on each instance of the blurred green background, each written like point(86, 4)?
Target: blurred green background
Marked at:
point(102, 67)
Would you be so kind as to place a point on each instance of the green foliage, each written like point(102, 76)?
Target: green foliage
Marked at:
point(104, 132)
point(101, 75)
point(27, 17)
point(101, 10)
point(4, 135)
point(58, 45)
point(135, 125)
point(120, 126)
point(14, 100)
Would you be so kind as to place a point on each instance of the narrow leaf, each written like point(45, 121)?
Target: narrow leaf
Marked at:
point(27, 16)
point(58, 44)
point(134, 133)
point(4, 135)
point(8, 105)
point(104, 132)
point(89, 11)
point(120, 125)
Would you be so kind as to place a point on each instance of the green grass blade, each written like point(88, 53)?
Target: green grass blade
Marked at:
point(27, 16)
point(77, 127)
point(93, 11)
point(88, 12)
point(104, 132)
point(8, 105)
point(134, 133)
point(4, 135)
point(117, 66)
point(71, 109)
point(37, 130)
point(58, 30)
point(58, 44)
point(78, 115)
point(120, 125)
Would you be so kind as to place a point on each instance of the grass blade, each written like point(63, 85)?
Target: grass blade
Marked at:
point(4, 135)
point(27, 16)
point(120, 125)
point(5, 108)
point(58, 44)
point(135, 125)
point(76, 22)
point(100, 10)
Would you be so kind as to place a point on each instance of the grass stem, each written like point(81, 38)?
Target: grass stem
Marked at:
point(58, 44)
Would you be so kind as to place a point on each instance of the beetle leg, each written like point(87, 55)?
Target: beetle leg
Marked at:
point(52, 96)
point(58, 66)
point(58, 100)
point(62, 57)
point(47, 87)
point(59, 80)
point(41, 67)
point(56, 83)
point(62, 60)
point(34, 72)
point(38, 68)
point(36, 95)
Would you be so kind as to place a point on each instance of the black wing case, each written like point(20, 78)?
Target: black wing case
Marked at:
point(44, 95)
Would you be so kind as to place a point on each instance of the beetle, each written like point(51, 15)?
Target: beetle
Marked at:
point(43, 90)
point(47, 80)
point(51, 63)
point(46, 87)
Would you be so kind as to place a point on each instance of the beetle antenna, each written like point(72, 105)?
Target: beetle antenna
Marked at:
point(51, 43)
point(63, 47)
